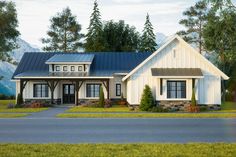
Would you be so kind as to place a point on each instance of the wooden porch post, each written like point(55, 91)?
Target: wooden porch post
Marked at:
point(78, 84)
point(106, 85)
point(52, 85)
point(22, 86)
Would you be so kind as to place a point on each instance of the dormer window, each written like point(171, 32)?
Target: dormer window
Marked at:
point(72, 68)
point(80, 68)
point(65, 68)
point(57, 68)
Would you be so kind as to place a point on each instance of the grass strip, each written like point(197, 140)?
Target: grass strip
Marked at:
point(147, 115)
point(12, 115)
point(22, 110)
point(121, 150)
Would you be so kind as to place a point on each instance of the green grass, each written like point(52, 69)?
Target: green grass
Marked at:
point(119, 150)
point(147, 115)
point(4, 109)
point(96, 109)
point(12, 115)
point(22, 110)
point(4, 103)
point(228, 106)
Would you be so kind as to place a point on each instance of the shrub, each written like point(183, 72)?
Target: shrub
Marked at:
point(158, 109)
point(10, 106)
point(193, 99)
point(147, 100)
point(101, 97)
point(108, 103)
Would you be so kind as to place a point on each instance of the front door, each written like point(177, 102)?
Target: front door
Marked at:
point(68, 93)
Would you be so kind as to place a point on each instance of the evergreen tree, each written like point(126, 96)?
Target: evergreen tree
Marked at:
point(148, 39)
point(196, 18)
point(8, 31)
point(101, 97)
point(147, 100)
point(64, 34)
point(120, 37)
point(220, 38)
point(94, 39)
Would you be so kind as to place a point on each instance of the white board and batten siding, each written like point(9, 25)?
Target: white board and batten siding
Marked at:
point(176, 55)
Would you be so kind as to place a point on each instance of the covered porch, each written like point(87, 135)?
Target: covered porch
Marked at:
point(66, 90)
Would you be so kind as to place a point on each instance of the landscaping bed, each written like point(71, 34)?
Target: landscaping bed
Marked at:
point(146, 115)
point(122, 150)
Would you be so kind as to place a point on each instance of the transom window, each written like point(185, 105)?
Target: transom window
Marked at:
point(92, 90)
point(176, 89)
point(40, 90)
point(80, 68)
point(57, 68)
point(65, 68)
point(118, 89)
point(72, 68)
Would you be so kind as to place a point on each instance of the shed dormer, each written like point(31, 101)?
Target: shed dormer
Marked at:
point(70, 63)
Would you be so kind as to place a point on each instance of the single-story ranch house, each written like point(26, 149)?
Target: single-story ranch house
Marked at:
point(172, 72)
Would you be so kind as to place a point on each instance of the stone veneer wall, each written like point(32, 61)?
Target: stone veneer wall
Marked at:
point(182, 105)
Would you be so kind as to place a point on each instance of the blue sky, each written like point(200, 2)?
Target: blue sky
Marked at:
point(34, 15)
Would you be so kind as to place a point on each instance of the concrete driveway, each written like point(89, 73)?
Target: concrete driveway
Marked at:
point(44, 130)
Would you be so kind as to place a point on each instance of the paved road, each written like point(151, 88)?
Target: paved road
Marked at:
point(44, 130)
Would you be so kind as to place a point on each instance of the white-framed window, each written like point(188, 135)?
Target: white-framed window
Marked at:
point(72, 68)
point(118, 89)
point(176, 89)
point(58, 68)
point(80, 68)
point(40, 90)
point(65, 68)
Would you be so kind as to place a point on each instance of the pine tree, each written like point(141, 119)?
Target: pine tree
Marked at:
point(94, 39)
point(148, 39)
point(64, 34)
point(147, 100)
point(196, 18)
point(8, 31)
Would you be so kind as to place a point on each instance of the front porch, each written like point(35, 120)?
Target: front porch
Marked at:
point(63, 91)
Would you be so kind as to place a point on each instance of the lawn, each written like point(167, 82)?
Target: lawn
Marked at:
point(147, 115)
point(12, 115)
point(96, 109)
point(228, 107)
point(4, 109)
point(121, 150)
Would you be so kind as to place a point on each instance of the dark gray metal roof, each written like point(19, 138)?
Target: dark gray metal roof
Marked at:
point(103, 64)
point(79, 57)
point(176, 72)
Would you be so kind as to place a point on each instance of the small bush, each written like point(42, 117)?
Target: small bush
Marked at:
point(193, 99)
point(101, 97)
point(158, 109)
point(108, 103)
point(10, 106)
point(203, 108)
point(147, 100)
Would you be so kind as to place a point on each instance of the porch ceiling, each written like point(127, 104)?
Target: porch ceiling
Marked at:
point(177, 72)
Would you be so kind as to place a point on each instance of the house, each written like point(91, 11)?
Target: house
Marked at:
point(172, 72)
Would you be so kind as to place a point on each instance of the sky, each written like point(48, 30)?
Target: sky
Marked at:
point(34, 15)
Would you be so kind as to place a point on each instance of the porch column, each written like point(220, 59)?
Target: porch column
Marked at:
point(106, 85)
point(22, 86)
point(52, 85)
point(78, 85)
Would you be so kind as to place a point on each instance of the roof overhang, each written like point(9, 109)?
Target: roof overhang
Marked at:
point(65, 78)
point(177, 72)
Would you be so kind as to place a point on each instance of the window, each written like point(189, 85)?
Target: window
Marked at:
point(80, 68)
point(118, 89)
point(65, 68)
point(92, 90)
point(176, 89)
point(72, 68)
point(57, 68)
point(40, 90)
